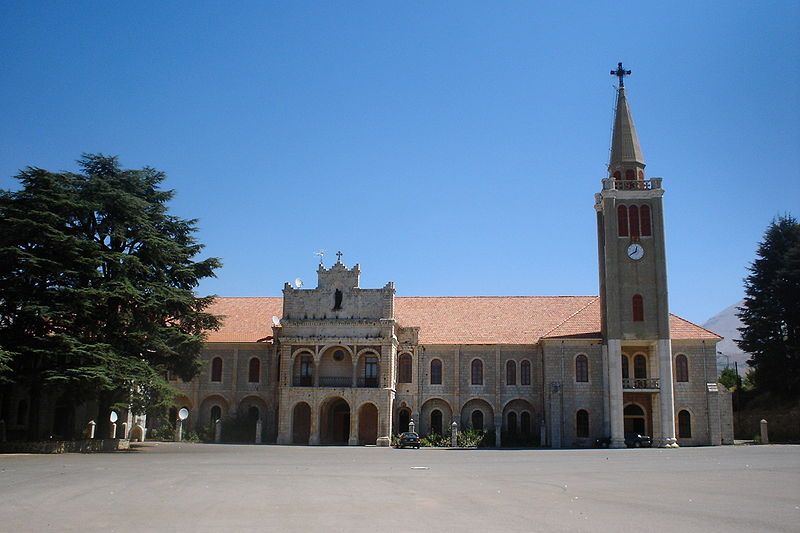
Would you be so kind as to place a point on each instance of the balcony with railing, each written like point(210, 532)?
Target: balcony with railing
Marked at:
point(640, 384)
point(631, 185)
point(302, 381)
point(336, 381)
point(369, 383)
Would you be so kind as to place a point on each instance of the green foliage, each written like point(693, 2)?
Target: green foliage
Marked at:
point(163, 431)
point(96, 285)
point(434, 440)
point(729, 378)
point(770, 314)
point(470, 438)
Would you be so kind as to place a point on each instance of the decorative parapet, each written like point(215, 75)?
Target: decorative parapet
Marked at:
point(612, 184)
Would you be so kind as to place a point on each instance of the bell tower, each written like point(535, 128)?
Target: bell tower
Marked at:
point(637, 350)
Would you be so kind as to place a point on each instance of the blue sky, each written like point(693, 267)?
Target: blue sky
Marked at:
point(452, 147)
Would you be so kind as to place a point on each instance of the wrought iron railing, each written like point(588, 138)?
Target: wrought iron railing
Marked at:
point(370, 383)
point(302, 381)
point(335, 381)
point(640, 383)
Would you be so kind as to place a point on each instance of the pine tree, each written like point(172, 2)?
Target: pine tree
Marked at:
point(771, 314)
point(97, 287)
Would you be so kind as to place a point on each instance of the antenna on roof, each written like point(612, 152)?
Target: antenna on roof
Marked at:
point(276, 322)
point(298, 283)
point(320, 254)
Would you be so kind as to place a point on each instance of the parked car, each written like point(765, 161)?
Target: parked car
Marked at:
point(632, 440)
point(410, 439)
point(637, 440)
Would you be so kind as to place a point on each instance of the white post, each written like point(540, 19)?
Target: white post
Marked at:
point(124, 430)
point(112, 431)
point(258, 431)
point(90, 429)
point(411, 426)
point(178, 430)
point(454, 434)
point(664, 353)
point(764, 432)
point(218, 431)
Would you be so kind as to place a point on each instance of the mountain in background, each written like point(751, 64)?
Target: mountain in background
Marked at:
point(725, 323)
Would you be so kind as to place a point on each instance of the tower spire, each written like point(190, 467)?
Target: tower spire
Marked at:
point(627, 159)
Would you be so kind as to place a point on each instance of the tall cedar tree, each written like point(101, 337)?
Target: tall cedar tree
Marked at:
point(771, 314)
point(97, 287)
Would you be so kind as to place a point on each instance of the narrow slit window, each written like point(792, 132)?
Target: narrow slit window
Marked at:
point(622, 221)
point(637, 303)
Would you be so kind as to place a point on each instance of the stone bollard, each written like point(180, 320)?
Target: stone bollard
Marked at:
point(411, 426)
point(124, 430)
point(178, 430)
point(764, 432)
point(218, 431)
point(258, 431)
point(112, 431)
point(454, 434)
point(2, 430)
point(90, 429)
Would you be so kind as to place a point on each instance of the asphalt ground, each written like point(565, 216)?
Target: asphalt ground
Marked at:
point(225, 488)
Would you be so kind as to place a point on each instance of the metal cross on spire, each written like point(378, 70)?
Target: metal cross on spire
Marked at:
point(621, 73)
point(339, 256)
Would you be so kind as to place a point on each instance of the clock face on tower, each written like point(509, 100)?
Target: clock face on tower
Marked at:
point(635, 251)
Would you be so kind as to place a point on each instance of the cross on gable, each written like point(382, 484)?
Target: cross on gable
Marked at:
point(621, 73)
point(339, 256)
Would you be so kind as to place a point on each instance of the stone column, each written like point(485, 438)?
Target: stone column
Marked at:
point(258, 431)
point(498, 429)
point(353, 440)
point(178, 430)
point(606, 419)
point(555, 414)
point(615, 415)
point(313, 440)
point(664, 352)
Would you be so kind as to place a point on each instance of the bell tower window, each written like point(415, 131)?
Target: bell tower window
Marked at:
point(637, 303)
point(633, 215)
point(644, 216)
point(622, 220)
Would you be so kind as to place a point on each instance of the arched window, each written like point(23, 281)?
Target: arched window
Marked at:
point(404, 371)
point(216, 413)
point(684, 425)
point(254, 371)
point(436, 372)
point(525, 423)
point(625, 372)
point(436, 422)
point(405, 419)
point(633, 217)
point(216, 369)
point(525, 373)
point(22, 413)
point(477, 419)
point(641, 176)
point(640, 367)
point(511, 423)
point(617, 175)
point(622, 221)
point(681, 368)
point(477, 372)
point(582, 424)
point(644, 217)
point(253, 413)
point(637, 308)
point(630, 174)
point(511, 373)
point(582, 369)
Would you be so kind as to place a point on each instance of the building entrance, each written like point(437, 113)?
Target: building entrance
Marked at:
point(335, 422)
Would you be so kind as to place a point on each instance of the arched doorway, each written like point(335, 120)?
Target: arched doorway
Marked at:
point(367, 424)
point(301, 423)
point(335, 421)
point(635, 420)
point(404, 419)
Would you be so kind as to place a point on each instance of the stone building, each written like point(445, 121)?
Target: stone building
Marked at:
point(342, 364)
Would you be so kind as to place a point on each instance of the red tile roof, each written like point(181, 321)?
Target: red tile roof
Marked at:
point(456, 319)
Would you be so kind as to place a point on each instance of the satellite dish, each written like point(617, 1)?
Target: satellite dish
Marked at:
point(276, 321)
point(183, 414)
point(298, 283)
point(113, 417)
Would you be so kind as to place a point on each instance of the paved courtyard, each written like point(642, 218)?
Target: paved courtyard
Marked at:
point(197, 487)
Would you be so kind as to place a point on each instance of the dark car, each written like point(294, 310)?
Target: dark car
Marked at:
point(632, 440)
point(637, 440)
point(410, 439)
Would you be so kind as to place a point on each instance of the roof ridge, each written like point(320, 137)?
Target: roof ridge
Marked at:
point(508, 296)
point(696, 325)
point(568, 318)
